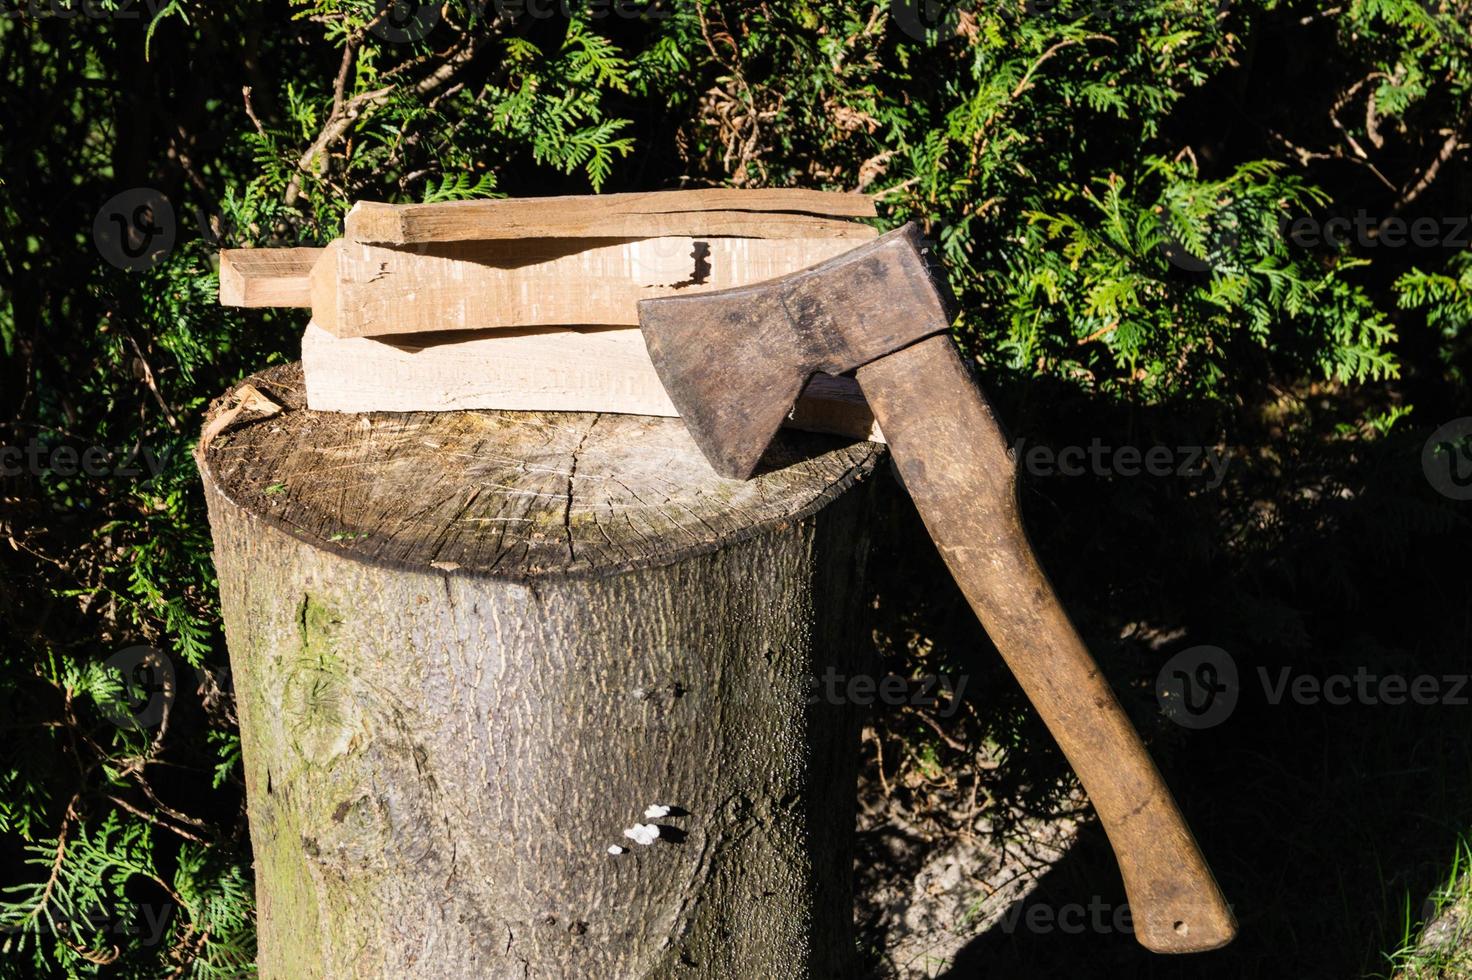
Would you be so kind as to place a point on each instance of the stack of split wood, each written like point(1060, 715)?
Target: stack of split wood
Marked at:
point(531, 303)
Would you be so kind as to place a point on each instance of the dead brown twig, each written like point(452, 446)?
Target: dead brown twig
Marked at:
point(150, 380)
point(742, 151)
point(935, 727)
point(346, 111)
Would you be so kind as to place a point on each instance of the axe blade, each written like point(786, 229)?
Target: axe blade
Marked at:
point(734, 360)
point(731, 365)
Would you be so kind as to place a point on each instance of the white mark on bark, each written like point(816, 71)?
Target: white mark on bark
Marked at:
point(642, 833)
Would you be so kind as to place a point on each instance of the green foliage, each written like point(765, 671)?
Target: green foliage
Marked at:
point(1107, 183)
point(1114, 276)
point(460, 187)
point(1060, 269)
point(1445, 295)
point(555, 104)
point(83, 909)
point(82, 879)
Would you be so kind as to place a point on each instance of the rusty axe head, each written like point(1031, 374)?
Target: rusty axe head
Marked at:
point(734, 361)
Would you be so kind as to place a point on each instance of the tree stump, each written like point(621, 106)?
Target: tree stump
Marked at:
point(469, 649)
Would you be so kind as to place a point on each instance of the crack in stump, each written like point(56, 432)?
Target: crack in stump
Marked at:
point(572, 472)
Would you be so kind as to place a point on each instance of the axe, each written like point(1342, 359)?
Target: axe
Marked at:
point(733, 362)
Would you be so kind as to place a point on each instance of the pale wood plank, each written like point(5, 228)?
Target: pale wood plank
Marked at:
point(267, 276)
point(553, 369)
point(774, 213)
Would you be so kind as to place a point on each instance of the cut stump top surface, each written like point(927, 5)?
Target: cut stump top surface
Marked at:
point(513, 495)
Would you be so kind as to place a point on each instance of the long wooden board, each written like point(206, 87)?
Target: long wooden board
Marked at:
point(552, 369)
point(361, 290)
point(715, 211)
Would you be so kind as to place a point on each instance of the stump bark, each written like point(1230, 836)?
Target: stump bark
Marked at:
point(469, 649)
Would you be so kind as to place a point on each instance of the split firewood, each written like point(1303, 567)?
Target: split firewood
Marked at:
point(532, 304)
point(718, 211)
point(363, 290)
point(471, 265)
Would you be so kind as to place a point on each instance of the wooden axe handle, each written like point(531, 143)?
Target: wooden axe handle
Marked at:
point(953, 458)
